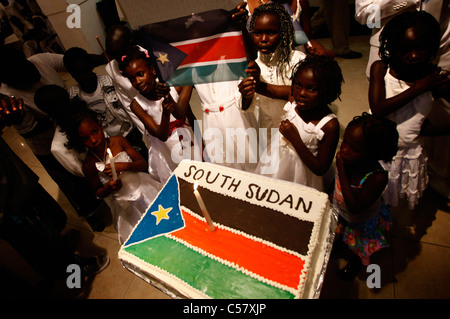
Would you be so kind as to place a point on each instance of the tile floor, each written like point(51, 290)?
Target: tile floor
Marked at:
point(415, 266)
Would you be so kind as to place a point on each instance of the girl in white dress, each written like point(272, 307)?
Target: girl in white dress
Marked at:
point(272, 33)
point(310, 130)
point(168, 134)
point(126, 187)
point(402, 87)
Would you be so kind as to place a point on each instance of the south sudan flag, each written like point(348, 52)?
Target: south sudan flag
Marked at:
point(199, 48)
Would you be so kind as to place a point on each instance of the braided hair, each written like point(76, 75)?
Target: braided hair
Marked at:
point(286, 31)
point(326, 72)
point(392, 36)
point(380, 135)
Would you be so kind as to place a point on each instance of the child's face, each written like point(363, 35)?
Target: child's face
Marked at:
point(266, 33)
point(353, 149)
point(84, 75)
point(91, 133)
point(141, 75)
point(414, 59)
point(305, 90)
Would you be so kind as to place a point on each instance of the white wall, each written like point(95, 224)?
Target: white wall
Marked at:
point(91, 25)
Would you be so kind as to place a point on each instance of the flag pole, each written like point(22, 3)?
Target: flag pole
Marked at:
point(101, 46)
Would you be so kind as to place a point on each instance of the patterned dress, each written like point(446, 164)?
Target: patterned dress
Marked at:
point(363, 233)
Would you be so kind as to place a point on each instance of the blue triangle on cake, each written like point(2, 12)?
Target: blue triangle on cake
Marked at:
point(163, 215)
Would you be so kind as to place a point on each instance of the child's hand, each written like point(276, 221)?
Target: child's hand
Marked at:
point(431, 81)
point(115, 185)
point(10, 110)
point(240, 14)
point(247, 87)
point(162, 90)
point(253, 70)
point(168, 104)
point(289, 131)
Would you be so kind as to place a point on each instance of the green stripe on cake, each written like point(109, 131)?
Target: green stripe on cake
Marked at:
point(209, 276)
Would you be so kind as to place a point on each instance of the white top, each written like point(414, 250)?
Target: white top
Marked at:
point(163, 157)
point(273, 108)
point(286, 163)
point(411, 116)
point(70, 159)
point(125, 91)
point(49, 65)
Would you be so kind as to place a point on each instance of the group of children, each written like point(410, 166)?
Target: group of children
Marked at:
point(380, 158)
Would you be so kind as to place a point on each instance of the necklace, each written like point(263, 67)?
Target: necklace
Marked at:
point(101, 165)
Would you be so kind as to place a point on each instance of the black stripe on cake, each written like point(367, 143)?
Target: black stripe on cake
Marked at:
point(262, 222)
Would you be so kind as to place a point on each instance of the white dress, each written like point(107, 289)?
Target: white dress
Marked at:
point(229, 134)
point(269, 111)
point(286, 163)
point(408, 169)
point(164, 157)
point(129, 203)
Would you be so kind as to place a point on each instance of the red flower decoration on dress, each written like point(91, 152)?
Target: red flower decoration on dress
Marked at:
point(206, 111)
point(221, 108)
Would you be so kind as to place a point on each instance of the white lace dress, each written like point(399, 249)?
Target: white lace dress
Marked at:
point(129, 203)
point(408, 170)
point(286, 164)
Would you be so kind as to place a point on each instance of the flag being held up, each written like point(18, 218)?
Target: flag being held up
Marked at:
point(199, 48)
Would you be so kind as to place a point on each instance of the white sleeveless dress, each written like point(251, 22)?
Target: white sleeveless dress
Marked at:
point(286, 164)
point(129, 203)
point(408, 176)
point(164, 157)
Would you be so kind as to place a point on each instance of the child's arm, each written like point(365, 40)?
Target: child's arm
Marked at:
point(282, 92)
point(101, 190)
point(370, 192)
point(180, 109)
point(247, 89)
point(160, 131)
point(326, 148)
point(382, 106)
point(138, 163)
point(429, 129)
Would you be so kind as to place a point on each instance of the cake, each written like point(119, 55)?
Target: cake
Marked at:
point(271, 239)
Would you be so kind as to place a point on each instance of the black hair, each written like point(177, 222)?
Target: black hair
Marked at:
point(78, 114)
point(380, 136)
point(55, 101)
point(76, 54)
point(326, 72)
point(134, 53)
point(391, 37)
point(286, 31)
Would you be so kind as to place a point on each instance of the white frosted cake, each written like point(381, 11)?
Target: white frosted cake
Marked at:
point(271, 238)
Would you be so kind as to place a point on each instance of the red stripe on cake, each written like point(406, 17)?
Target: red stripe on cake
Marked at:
point(256, 257)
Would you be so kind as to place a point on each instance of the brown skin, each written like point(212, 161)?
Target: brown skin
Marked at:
point(353, 164)
point(310, 108)
point(143, 77)
point(92, 134)
point(414, 66)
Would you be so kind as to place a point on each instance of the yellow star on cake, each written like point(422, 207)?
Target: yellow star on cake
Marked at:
point(161, 213)
point(163, 58)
